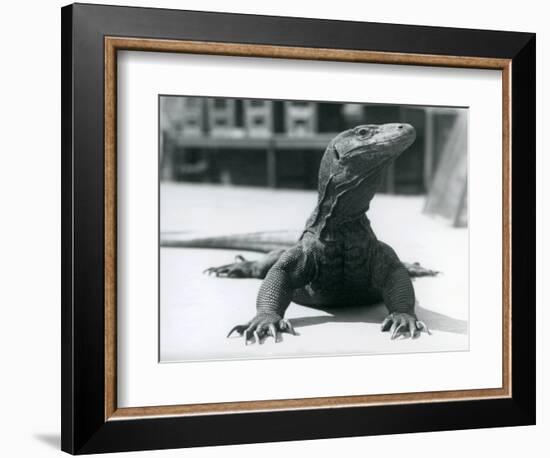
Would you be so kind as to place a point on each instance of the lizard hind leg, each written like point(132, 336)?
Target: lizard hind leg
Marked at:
point(416, 270)
point(243, 268)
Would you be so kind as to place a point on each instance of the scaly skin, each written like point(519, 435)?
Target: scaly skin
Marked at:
point(338, 260)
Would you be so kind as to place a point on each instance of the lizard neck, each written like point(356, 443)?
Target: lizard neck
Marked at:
point(340, 206)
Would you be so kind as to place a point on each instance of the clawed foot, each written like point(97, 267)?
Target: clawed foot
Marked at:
point(241, 268)
point(263, 325)
point(416, 270)
point(403, 324)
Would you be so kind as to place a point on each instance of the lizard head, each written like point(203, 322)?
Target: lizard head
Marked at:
point(352, 168)
point(365, 150)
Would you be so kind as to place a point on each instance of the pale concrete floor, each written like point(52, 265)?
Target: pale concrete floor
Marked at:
point(197, 311)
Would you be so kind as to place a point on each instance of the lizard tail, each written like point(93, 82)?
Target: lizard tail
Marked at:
point(261, 242)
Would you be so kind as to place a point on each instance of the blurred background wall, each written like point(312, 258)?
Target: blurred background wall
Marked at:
point(279, 144)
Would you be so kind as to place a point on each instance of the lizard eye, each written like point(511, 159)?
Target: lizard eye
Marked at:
point(362, 132)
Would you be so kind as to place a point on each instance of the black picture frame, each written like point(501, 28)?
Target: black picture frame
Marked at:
point(84, 427)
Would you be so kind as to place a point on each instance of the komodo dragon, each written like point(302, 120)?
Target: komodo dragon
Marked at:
point(337, 260)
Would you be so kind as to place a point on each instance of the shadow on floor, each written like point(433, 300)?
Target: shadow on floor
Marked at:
point(375, 314)
point(51, 439)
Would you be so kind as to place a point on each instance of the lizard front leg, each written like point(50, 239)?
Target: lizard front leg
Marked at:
point(393, 280)
point(291, 271)
point(398, 294)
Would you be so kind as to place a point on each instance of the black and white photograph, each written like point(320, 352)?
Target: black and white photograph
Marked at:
point(300, 228)
point(275, 229)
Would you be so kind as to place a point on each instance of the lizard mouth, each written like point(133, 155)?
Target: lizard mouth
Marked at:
point(390, 145)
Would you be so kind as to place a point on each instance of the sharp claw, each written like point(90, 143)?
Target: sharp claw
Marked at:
point(219, 271)
point(248, 335)
point(273, 331)
point(386, 323)
point(261, 330)
point(394, 327)
point(290, 328)
point(412, 328)
point(237, 328)
point(395, 333)
point(254, 330)
point(422, 326)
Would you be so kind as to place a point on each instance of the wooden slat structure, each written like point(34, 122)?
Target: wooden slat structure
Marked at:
point(300, 118)
point(448, 196)
point(258, 117)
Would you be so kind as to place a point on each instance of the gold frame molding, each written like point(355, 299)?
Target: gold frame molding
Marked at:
point(114, 44)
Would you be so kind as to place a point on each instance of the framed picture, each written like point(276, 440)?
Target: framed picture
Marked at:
point(284, 228)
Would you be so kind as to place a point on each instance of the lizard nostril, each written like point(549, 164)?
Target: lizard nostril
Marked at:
point(400, 126)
